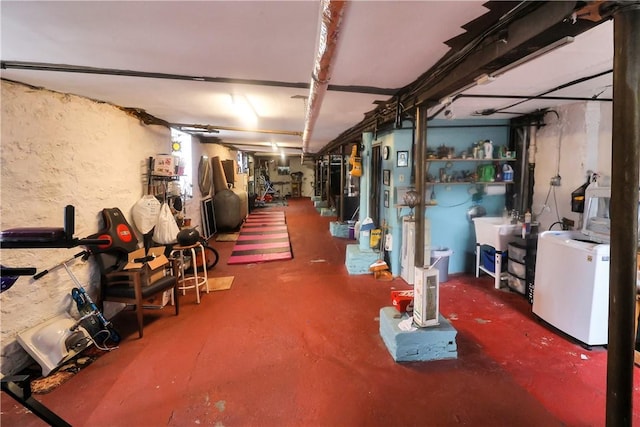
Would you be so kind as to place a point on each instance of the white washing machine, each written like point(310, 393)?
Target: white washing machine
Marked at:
point(571, 289)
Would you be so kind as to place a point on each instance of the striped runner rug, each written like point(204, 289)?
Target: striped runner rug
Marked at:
point(263, 237)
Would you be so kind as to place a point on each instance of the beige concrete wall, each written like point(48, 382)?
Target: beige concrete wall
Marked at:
point(308, 174)
point(578, 141)
point(57, 150)
point(295, 165)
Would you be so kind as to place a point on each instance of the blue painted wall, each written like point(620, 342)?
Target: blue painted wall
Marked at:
point(399, 140)
point(450, 227)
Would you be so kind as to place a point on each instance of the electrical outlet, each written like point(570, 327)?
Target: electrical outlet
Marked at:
point(401, 177)
point(568, 223)
point(555, 181)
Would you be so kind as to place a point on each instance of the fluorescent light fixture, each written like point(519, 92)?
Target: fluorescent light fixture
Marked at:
point(484, 79)
point(447, 100)
point(274, 146)
point(488, 78)
point(244, 109)
point(202, 129)
point(537, 54)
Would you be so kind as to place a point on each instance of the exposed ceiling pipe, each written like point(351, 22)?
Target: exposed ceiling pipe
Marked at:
point(66, 68)
point(331, 17)
point(217, 129)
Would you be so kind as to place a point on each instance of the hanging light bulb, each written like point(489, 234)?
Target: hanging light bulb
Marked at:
point(448, 114)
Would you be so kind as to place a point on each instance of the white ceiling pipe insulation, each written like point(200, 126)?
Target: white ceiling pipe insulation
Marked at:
point(331, 17)
point(532, 144)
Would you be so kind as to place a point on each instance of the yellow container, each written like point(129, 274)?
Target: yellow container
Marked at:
point(374, 238)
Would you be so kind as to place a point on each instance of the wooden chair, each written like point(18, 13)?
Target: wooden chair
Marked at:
point(128, 286)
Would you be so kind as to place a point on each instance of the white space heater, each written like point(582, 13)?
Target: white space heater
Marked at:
point(408, 253)
point(426, 297)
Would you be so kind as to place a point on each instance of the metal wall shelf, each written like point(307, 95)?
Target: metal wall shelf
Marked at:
point(471, 183)
point(506, 159)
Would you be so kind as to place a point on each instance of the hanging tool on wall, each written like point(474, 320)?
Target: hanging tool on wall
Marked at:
point(355, 162)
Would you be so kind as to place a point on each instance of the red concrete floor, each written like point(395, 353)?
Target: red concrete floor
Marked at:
point(296, 343)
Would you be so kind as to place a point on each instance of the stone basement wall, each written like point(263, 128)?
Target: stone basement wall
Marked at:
point(58, 150)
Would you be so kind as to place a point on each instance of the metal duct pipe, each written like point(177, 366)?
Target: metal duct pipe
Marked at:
point(527, 194)
point(420, 167)
point(217, 129)
point(533, 130)
point(331, 17)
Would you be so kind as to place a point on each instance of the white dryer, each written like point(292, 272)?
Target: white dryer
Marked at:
point(571, 289)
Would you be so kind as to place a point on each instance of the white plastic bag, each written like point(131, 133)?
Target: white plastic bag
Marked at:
point(167, 230)
point(145, 213)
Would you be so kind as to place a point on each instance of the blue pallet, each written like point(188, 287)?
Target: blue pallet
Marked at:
point(424, 344)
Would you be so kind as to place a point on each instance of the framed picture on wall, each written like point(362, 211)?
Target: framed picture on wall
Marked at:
point(403, 159)
point(386, 176)
point(386, 198)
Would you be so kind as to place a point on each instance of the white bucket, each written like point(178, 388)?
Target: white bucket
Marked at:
point(440, 260)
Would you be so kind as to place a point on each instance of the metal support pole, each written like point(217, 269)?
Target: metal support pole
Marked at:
point(343, 183)
point(19, 388)
point(326, 177)
point(318, 184)
point(625, 159)
point(420, 171)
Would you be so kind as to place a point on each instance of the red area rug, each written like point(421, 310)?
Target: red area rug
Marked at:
point(263, 237)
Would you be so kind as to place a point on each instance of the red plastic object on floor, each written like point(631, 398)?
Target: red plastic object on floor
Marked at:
point(401, 299)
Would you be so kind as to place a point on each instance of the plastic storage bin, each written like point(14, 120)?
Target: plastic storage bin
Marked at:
point(516, 284)
point(517, 252)
point(516, 268)
point(489, 259)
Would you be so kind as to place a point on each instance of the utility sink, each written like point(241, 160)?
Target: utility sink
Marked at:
point(494, 231)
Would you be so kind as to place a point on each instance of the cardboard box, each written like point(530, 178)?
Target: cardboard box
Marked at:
point(401, 299)
point(152, 269)
point(158, 300)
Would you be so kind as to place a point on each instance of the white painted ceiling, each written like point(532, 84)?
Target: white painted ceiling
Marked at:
point(383, 44)
point(588, 54)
